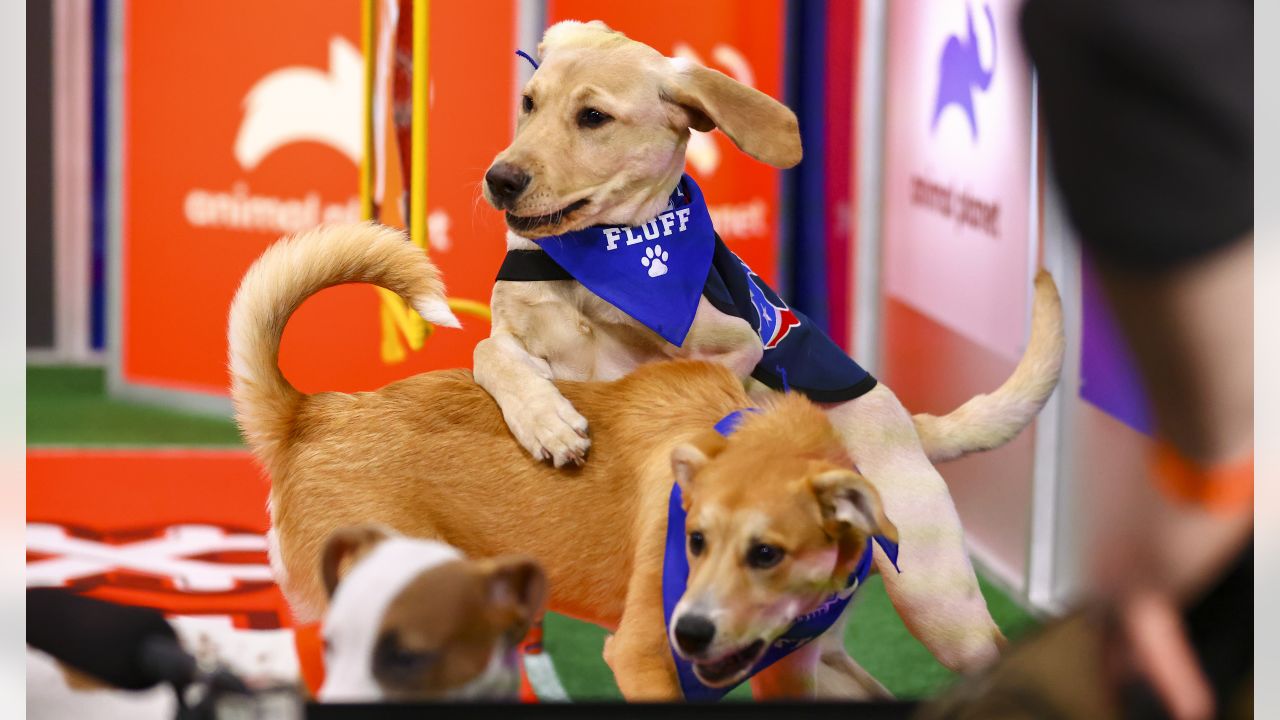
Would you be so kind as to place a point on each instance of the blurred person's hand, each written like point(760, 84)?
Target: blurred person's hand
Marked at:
point(1149, 642)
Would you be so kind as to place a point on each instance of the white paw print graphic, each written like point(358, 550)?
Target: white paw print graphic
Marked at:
point(655, 258)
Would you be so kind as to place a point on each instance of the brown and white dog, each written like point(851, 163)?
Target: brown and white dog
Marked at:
point(601, 139)
point(413, 619)
point(431, 457)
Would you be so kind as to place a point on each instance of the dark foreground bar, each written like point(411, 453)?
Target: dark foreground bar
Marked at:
point(615, 711)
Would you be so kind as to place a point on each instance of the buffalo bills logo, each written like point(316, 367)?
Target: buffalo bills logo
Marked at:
point(776, 319)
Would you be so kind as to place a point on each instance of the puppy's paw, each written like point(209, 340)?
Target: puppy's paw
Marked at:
point(550, 429)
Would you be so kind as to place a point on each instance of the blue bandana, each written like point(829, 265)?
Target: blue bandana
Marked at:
point(675, 577)
point(654, 272)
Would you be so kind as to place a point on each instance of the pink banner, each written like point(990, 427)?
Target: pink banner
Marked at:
point(957, 168)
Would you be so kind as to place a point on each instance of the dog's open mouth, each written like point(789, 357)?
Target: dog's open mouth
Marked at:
point(521, 224)
point(730, 667)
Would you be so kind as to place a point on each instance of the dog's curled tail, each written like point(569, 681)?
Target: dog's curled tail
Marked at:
point(985, 422)
point(289, 272)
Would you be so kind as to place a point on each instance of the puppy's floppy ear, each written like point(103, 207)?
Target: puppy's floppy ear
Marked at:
point(688, 458)
point(344, 548)
point(517, 585)
point(849, 502)
point(760, 126)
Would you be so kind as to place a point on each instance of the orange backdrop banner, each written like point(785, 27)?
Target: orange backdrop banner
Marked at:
point(742, 193)
point(242, 123)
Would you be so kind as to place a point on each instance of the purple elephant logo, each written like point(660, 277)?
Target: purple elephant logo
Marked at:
point(960, 72)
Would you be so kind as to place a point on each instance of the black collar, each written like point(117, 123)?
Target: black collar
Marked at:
point(527, 265)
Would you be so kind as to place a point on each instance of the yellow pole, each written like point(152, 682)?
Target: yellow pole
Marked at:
point(368, 31)
point(421, 106)
point(396, 314)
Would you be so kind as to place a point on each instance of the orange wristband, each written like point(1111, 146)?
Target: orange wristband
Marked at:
point(1223, 489)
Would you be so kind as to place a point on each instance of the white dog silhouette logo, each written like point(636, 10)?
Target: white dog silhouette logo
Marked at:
point(655, 258)
point(298, 103)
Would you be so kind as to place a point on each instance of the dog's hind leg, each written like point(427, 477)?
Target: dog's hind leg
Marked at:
point(840, 677)
point(817, 671)
point(936, 594)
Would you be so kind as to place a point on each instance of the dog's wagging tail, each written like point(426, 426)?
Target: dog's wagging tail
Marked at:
point(288, 273)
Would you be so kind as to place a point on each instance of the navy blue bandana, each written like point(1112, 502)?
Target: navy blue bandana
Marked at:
point(654, 272)
point(796, 351)
point(675, 577)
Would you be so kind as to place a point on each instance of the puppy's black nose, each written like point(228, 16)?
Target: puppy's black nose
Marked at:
point(694, 633)
point(506, 182)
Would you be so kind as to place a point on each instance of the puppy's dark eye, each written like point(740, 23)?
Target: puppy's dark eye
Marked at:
point(395, 663)
point(526, 103)
point(592, 118)
point(762, 556)
point(696, 543)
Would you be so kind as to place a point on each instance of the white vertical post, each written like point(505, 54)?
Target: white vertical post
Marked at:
point(869, 141)
point(1044, 478)
point(115, 197)
point(531, 20)
point(1054, 554)
point(72, 186)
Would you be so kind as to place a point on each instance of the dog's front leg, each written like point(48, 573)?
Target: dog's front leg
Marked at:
point(540, 418)
point(639, 653)
point(936, 594)
point(640, 658)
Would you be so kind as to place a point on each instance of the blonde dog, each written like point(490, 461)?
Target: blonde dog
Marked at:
point(431, 457)
point(601, 140)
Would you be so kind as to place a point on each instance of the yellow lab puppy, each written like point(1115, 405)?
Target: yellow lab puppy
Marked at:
point(601, 141)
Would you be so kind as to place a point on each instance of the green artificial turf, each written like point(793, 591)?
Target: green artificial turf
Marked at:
point(68, 406)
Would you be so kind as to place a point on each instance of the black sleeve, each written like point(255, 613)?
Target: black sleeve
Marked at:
point(1148, 107)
